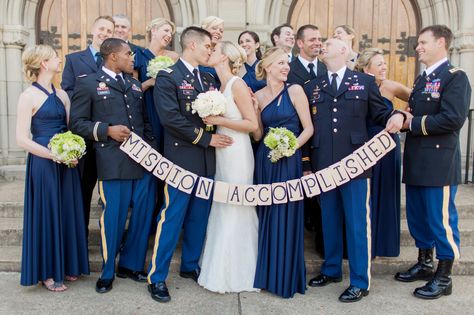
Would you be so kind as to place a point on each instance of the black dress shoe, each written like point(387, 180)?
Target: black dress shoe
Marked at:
point(159, 292)
point(103, 285)
point(322, 280)
point(139, 276)
point(194, 274)
point(353, 294)
point(440, 285)
point(422, 270)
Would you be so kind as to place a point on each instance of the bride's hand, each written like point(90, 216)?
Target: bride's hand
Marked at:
point(213, 120)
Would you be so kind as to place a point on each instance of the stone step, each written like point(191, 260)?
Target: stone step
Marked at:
point(11, 232)
point(10, 261)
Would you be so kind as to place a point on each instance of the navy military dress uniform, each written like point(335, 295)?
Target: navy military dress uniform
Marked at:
point(339, 119)
point(432, 161)
point(186, 143)
point(79, 64)
point(300, 74)
point(99, 102)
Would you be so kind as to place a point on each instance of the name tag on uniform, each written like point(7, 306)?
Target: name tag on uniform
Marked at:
point(356, 88)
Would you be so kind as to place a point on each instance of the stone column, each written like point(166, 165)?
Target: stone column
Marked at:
point(14, 39)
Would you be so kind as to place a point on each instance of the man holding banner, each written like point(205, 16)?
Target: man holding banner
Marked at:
point(106, 107)
point(432, 162)
point(340, 103)
point(188, 151)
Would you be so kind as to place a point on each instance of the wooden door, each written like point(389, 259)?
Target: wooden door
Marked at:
point(65, 24)
point(391, 25)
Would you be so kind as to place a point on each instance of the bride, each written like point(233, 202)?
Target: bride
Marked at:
point(229, 257)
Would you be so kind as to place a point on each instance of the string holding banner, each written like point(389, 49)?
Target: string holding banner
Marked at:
point(292, 190)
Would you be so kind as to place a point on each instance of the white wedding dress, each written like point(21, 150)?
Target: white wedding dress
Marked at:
point(229, 257)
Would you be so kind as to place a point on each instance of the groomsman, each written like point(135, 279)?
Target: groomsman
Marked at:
point(79, 64)
point(188, 145)
point(123, 30)
point(340, 104)
point(283, 37)
point(432, 162)
point(302, 69)
point(106, 106)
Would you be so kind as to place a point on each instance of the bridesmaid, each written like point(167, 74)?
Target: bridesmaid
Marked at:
point(54, 235)
point(160, 33)
point(250, 42)
point(386, 174)
point(347, 34)
point(280, 262)
point(215, 26)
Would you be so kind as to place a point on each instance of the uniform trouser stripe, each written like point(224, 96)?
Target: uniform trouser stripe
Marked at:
point(102, 226)
point(369, 233)
point(446, 225)
point(158, 233)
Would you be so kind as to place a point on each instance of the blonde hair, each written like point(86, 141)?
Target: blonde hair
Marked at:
point(349, 30)
point(211, 21)
point(156, 24)
point(32, 58)
point(365, 58)
point(236, 54)
point(268, 58)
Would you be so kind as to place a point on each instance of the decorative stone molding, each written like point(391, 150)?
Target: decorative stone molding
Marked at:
point(15, 35)
point(464, 41)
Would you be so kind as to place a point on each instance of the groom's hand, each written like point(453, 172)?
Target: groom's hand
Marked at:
point(220, 141)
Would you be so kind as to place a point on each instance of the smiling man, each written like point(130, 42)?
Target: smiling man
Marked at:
point(283, 37)
point(123, 30)
point(432, 162)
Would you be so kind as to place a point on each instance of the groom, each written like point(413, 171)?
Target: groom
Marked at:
point(188, 145)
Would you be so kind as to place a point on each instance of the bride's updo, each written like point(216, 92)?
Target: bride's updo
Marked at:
point(32, 58)
point(268, 58)
point(236, 55)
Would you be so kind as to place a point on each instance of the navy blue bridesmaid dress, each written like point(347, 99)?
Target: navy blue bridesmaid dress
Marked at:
point(54, 234)
point(251, 79)
point(280, 263)
point(385, 198)
point(212, 72)
point(142, 58)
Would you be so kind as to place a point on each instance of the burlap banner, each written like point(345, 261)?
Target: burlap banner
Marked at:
point(252, 195)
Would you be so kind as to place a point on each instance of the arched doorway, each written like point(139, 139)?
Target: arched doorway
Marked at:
point(391, 25)
point(65, 24)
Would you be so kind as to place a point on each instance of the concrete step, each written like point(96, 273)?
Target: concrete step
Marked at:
point(10, 260)
point(13, 172)
point(11, 231)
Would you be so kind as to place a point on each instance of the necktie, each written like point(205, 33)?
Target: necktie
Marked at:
point(424, 76)
point(120, 81)
point(334, 82)
point(312, 75)
point(196, 77)
point(98, 60)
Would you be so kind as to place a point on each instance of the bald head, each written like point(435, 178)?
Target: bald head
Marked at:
point(335, 53)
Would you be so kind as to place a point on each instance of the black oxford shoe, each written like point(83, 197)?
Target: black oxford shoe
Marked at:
point(139, 276)
point(193, 274)
point(353, 294)
point(322, 280)
point(159, 292)
point(103, 285)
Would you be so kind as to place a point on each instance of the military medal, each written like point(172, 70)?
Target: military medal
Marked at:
point(314, 110)
point(435, 94)
point(102, 85)
point(188, 107)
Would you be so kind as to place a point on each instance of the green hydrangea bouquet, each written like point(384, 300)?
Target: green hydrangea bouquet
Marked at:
point(67, 147)
point(281, 142)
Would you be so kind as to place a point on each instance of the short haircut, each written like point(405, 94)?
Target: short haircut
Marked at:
point(110, 46)
point(104, 17)
point(277, 31)
point(440, 31)
point(193, 32)
point(121, 16)
point(300, 32)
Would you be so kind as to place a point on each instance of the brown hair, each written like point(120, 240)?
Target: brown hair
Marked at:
point(440, 31)
point(33, 57)
point(268, 58)
point(104, 17)
point(277, 31)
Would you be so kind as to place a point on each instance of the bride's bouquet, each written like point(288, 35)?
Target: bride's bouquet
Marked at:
point(67, 147)
point(210, 103)
point(281, 142)
point(157, 64)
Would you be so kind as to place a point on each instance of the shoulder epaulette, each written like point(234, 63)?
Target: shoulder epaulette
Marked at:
point(455, 69)
point(82, 76)
point(306, 81)
point(169, 70)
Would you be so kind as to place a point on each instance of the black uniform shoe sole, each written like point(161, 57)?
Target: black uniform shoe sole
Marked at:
point(337, 280)
point(158, 299)
point(103, 290)
point(433, 297)
point(425, 278)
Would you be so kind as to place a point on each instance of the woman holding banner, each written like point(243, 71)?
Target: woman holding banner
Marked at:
point(280, 264)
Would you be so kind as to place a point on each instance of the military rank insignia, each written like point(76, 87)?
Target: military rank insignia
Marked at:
point(432, 87)
point(103, 89)
point(136, 88)
point(314, 110)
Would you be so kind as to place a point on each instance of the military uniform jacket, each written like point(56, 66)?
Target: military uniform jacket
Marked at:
point(77, 64)
point(186, 142)
point(99, 102)
point(300, 75)
point(339, 119)
point(439, 104)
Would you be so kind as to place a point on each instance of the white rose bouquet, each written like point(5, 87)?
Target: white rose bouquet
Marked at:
point(157, 64)
point(210, 103)
point(67, 147)
point(281, 142)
